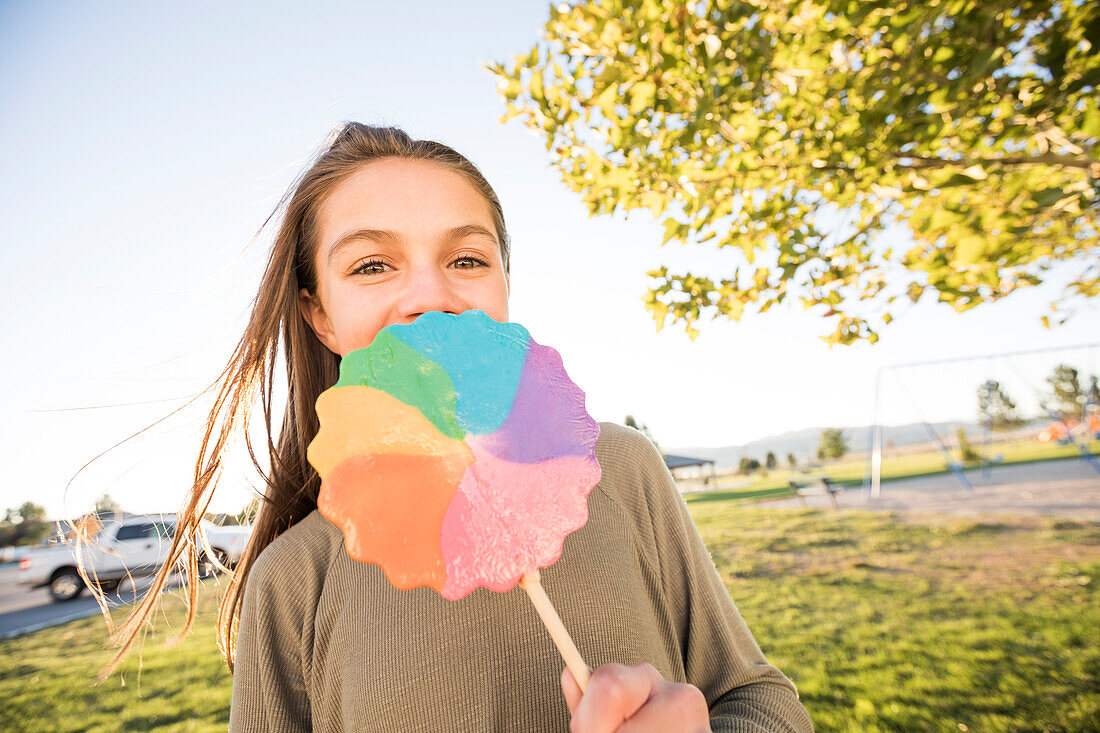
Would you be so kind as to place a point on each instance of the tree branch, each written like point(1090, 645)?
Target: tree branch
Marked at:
point(1069, 161)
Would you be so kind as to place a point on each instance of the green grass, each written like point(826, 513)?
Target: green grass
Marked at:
point(885, 623)
point(47, 677)
point(774, 483)
point(892, 625)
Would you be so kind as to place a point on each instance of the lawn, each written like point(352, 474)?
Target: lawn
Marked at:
point(885, 623)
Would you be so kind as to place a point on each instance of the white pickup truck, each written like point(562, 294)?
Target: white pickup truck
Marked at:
point(122, 548)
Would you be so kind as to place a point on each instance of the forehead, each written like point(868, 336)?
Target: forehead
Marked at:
point(402, 195)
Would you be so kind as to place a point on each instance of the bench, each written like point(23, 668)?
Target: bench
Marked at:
point(959, 465)
point(822, 485)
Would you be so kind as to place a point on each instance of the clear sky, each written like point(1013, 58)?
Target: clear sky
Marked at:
point(143, 144)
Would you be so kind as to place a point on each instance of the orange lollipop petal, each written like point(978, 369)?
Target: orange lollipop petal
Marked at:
point(391, 509)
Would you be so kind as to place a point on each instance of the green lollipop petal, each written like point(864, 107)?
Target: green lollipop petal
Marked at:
point(392, 366)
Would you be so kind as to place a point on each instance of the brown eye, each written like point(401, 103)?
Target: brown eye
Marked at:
point(370, 267)
point(467, 262)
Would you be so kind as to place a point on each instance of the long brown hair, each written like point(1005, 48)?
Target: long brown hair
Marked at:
point(292, 485)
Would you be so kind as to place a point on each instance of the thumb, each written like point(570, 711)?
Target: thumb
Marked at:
point(571, 689)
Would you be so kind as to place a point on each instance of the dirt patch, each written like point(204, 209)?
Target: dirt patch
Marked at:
point(1020, 556)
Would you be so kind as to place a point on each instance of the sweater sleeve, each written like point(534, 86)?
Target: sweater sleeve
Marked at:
point(269, 688)
point(743, 691)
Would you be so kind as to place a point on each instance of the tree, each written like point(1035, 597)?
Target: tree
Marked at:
point(748, 465)
point(30, 512)
point(106, 505)
point(1065, 396)
point(24, 526)
point(791, 460)
point(769, 461)
point(966, 450)
point(756, 125)
point(995, 408)
point(833, 444)
point(247, 515)
point(644, 429)
point(1092, 394)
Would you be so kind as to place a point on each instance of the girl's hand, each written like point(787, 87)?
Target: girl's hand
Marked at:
point(637, 698)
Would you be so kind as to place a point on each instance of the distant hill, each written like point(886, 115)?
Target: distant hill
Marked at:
point(804, 443)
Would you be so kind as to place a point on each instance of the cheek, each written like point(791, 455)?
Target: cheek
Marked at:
point(494, 301)
point(358, 335)
point(356, 318)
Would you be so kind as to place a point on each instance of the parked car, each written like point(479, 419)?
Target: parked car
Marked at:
point(120, 548)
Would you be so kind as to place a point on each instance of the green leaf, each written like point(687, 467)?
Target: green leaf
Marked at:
point(1090, 121)
point(535, 88)
point(673, 230)
point(1047, 196)
point(642, 95)
point(970, 250)
point(956, 179)
point(608, 98)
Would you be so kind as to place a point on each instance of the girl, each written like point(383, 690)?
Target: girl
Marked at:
point(379, 229)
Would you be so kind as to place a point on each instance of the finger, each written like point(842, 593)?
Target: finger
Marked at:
point(571, 689)
point(671, 707)
point(615, 692)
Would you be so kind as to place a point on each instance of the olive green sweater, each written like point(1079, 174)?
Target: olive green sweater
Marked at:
point(325, 643)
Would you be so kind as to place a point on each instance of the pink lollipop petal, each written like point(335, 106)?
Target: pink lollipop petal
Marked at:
point(508, 518)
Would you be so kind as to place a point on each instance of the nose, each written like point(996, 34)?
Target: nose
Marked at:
point(427, 288)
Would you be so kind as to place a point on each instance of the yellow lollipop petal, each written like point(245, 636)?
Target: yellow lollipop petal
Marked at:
point(357, 420)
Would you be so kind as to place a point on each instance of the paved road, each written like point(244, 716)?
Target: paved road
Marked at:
point(1064, 488)
point(24, 609)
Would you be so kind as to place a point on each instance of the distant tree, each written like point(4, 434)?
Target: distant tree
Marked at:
point(967, 452)
point(770, 461)
point(644, 429)
point(748, 465)
point(30, 511)
point(995, 408)
point(248, 514)
point(27, 511)
point(833, 444)
point(105, 504)
point(221, 519)
point(24, 526)
point(1065, 396)
point(791, 460)
point(1092, 394)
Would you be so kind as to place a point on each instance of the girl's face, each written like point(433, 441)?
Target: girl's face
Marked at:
point(396, 239)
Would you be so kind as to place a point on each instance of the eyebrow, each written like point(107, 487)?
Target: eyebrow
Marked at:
point(385, 236)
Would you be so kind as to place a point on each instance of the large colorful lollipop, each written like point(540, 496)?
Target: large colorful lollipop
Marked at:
point(456, 453)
